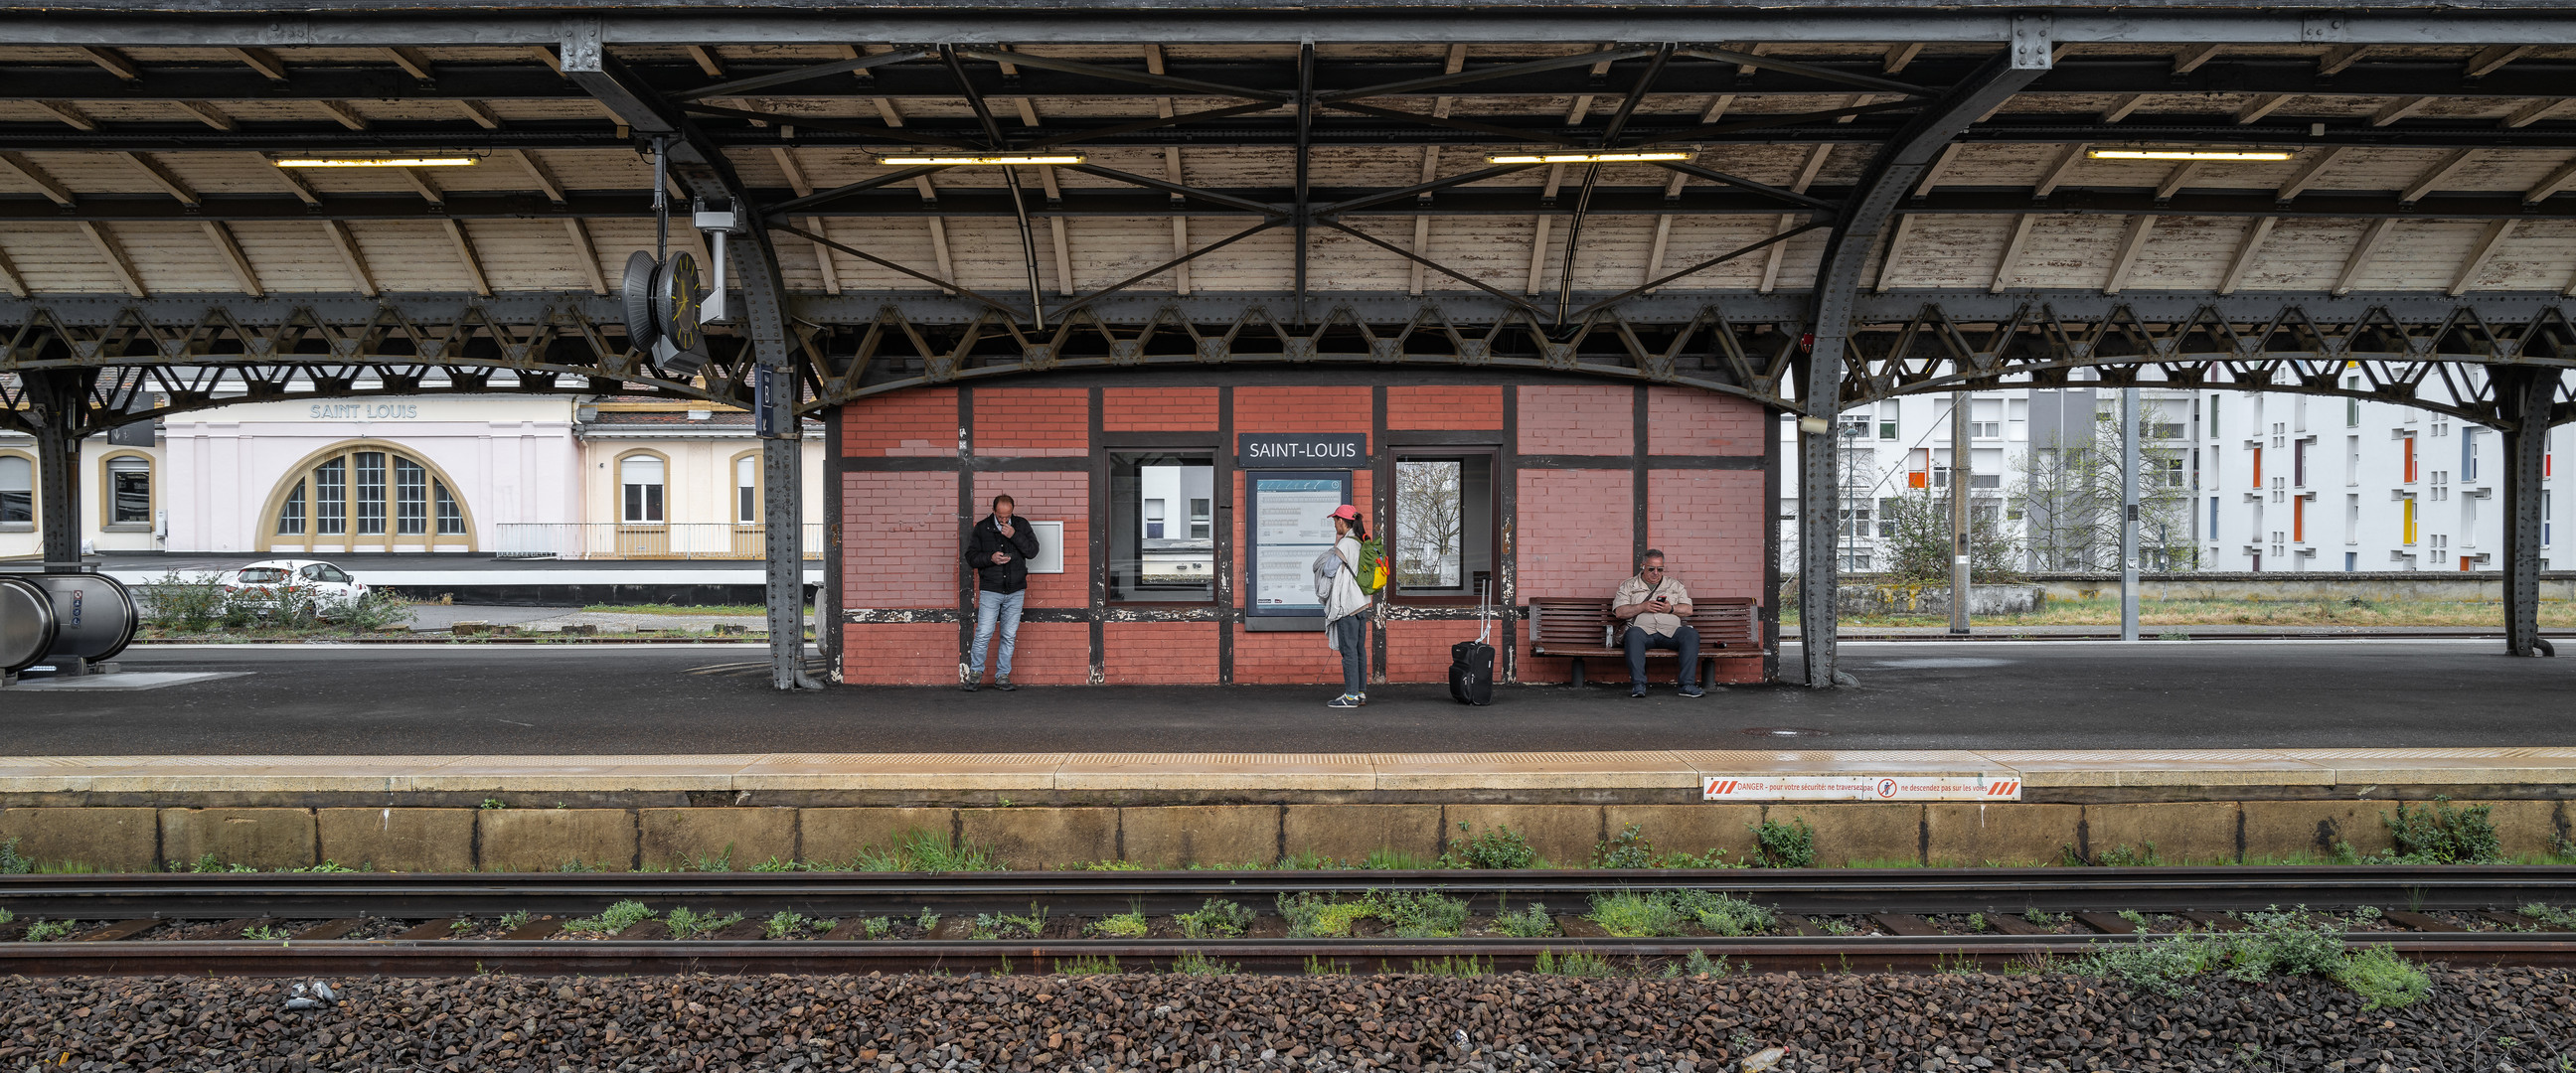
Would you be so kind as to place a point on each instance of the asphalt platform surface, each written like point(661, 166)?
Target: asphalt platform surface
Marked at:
point(639, 699)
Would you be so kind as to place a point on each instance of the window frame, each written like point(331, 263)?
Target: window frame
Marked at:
point(617, 481)
point(107, 520)
point(35, 497)
point(733, 481)
point(1398, 453)
point(312, 540)
point(1112, 457)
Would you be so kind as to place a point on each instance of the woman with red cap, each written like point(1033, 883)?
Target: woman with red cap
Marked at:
point(1345, 607)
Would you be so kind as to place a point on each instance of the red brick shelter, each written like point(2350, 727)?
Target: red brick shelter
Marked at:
point(1566, 481)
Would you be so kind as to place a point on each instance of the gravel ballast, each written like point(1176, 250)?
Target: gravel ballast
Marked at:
point(2493, 1020)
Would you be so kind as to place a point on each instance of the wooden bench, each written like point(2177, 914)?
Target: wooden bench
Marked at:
point(1575, 628)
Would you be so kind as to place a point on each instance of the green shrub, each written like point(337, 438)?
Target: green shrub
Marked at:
point(610, 921)
point(1307, 860)
point(6, 916)
point(1697, 963)
point(1454, 966)
point(1087, 965)
point(1119, 926)
point(1194, 963)
point(1396, 860)
point(11, 864)
point(1406, 914)
point(1578, 963)
point(1628, 849)
point(519, 918)
point(1723, 914)
point(1498, 847)
point(1667, 913)
point(266, 933)
point(878, 927)
point(1785, 845)
point(1530, 923)
point(2161, 967)
point(2440, 834)
point(688, 924)
point(782, 924)
point(2295, 943)
point(1005, 926)
point(49, 930)
point(2549, 914)
point(1218, 919)
point(2382, 979)
point(1630, 915)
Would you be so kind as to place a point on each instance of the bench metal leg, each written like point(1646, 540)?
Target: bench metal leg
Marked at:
point(1578, 672)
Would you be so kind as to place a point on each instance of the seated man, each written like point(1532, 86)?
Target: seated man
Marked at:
point(1653, 605)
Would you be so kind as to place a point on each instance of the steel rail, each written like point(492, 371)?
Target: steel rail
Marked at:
point(440, 957)
point(1910, 890)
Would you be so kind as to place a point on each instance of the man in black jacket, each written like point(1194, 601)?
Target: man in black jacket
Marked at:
point(999, 552)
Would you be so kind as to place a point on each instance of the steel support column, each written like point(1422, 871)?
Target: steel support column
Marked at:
point(702, 169)
point(2524, 394)
point(1890, 177)
point(59, 398)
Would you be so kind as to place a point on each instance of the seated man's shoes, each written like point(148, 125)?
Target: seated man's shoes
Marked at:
point(1693, 691)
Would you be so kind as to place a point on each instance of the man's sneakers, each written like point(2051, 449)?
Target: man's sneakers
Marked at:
point(1346, 700)
point(1637, 691)
point(968, 687)
point(1003, 683)
point(1693, 691)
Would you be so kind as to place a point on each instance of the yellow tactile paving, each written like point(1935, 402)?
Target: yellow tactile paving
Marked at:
point(1555, 770)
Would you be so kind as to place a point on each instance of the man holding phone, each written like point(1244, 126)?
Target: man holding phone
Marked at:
point(1654, 605)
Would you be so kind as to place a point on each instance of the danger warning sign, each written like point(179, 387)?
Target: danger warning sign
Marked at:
point(1854, 787)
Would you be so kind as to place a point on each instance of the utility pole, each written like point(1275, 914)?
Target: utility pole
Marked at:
point(1959, 455)
point(2129, 514)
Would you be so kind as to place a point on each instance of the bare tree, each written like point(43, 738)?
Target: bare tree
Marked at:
point(2068, 493)
point(1429, 523)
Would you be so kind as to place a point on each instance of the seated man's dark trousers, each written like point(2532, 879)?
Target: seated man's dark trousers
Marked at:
point(1685, 642)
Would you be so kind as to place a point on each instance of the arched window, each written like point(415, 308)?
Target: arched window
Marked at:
point(640, 480)
point(367, 497)
point(746, 489)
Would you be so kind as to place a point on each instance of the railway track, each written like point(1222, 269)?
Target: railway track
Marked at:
point(1828, 920)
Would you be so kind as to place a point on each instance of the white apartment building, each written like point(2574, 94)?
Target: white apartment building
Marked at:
point(2275, 482)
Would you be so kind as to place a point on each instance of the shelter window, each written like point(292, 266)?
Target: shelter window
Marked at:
point(17, 492)
point(1444, 524)
point(1147, 561)
point(639, 479)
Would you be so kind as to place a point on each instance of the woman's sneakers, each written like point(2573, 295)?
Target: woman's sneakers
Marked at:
point(1346, 700)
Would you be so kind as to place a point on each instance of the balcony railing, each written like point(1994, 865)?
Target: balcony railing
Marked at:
point(620, 540)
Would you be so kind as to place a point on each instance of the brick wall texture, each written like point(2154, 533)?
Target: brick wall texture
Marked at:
point(1686, 421)
point(1578, 420)
point(1158, 409)
point(1573, 532)
point(1048, 422)
point(906, 424)
point(1444, 406)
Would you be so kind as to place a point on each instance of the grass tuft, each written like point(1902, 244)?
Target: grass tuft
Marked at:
point(610, 921)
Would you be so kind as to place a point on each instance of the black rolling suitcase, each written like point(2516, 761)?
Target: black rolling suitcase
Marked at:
point(1471, 666)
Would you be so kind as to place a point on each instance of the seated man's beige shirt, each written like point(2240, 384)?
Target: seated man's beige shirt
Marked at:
point(1661, 624)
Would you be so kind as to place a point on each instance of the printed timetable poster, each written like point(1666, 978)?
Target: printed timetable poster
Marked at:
point(1291, 523)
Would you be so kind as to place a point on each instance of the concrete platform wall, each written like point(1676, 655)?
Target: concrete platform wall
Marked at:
point(668, 839)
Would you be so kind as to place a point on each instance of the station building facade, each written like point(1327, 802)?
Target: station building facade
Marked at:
point(1177, 515)
point(537, 476)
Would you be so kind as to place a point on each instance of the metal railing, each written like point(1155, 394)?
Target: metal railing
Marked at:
point(621, 540)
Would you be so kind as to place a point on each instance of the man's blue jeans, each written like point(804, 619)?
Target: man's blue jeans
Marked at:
point(1685, 641)
point(995, 609)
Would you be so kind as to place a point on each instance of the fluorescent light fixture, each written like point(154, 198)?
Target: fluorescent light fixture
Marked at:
point(1586, 158)
point(384, 162)
point(2187, 154)
point(951, 161)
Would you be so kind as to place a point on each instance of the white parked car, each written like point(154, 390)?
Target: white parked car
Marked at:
point(325, 583)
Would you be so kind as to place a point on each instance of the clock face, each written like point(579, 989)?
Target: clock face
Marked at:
point(677, 296)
